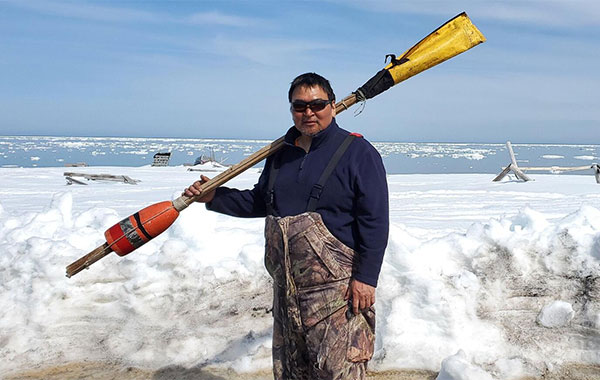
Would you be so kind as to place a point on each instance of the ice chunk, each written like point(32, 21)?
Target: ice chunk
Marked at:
point(458, 367)
point(556, 314)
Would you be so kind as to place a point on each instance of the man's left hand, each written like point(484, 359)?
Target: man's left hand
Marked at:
point(361, 294)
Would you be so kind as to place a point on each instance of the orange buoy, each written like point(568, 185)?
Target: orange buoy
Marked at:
point(133, 232)
point(139, 228)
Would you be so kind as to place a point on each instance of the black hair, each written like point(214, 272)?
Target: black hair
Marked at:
point(311, 80)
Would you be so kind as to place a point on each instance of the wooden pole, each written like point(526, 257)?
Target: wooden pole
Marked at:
point(555, 168)
point(511, 153)
point(89, 259)
point(514, 166)
point(519, 171)
point(183, 202)
point(503, 173)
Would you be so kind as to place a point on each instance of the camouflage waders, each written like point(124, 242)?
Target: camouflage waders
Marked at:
point(315, 334)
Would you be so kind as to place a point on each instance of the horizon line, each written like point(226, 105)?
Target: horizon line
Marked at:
point(266, 140)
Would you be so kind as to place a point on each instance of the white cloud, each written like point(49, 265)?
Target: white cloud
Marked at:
point(90, 11)
point(219, 18)
point(551, 13)
point(86, 11)
point(538, 12)
point(267, 50)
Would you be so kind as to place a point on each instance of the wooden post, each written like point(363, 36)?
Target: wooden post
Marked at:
point(512, 167)
point(502, 174)
point(511, 153)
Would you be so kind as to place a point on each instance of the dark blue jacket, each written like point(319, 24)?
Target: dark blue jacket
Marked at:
point(353, 203)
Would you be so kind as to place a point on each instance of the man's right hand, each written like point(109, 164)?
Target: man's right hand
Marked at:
point(196, 189)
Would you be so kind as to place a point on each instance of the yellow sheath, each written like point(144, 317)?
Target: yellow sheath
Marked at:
point(452, 38)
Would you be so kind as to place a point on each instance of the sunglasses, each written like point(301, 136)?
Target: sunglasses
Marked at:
point(315, 105)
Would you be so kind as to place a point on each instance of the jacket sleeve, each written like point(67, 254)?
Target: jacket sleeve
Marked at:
point(242, 203)
point(372, 216)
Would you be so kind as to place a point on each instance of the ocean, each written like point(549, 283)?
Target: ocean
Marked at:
point(399, 157)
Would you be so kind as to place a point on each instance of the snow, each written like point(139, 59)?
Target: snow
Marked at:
point(556, 314)
point(458, 367)
point(481, 279)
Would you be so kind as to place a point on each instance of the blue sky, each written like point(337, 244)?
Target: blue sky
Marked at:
point(222, 68)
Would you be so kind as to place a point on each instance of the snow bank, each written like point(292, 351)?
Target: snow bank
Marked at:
point(508, 296)
point(150, 309)
point(481, 292)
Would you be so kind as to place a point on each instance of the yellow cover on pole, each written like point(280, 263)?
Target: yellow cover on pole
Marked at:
point(454, 37)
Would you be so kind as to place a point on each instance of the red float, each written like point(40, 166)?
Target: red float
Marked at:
point(141, 227)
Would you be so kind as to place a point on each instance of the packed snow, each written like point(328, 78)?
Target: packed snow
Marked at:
point(481, 279)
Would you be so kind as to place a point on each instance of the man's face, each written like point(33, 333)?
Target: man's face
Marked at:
point(310, 122)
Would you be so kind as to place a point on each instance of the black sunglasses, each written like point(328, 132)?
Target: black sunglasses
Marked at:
point(315, 105)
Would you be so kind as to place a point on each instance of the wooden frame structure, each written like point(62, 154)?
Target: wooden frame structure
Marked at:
point(519, 171)
point(98, 177)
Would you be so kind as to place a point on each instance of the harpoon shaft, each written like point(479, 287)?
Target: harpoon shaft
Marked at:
point(89, 259)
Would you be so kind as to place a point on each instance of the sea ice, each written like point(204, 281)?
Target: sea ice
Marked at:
point(586, 158)
point(552, 156)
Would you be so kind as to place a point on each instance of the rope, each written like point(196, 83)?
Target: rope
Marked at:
point(362, 99)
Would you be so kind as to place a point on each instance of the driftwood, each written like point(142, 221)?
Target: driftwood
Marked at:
point(512, 167)
point(71, 180)
point(519, 171)
point(98, 177)
point(555, 169)
point(206, 170)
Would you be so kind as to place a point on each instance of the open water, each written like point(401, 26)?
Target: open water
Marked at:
point(399, 157)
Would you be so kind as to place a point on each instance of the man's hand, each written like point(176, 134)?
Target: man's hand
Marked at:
point(196, 189)
point(361, 294)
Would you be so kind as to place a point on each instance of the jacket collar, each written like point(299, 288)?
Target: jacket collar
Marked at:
point(318, 139)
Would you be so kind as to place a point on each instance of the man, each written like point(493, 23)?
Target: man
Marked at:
point(326, 201)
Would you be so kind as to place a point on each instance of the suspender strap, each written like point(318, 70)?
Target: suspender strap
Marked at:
point(317, 189)
point(315, 192)
point(270, 199)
